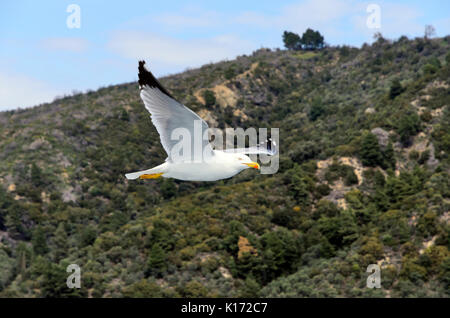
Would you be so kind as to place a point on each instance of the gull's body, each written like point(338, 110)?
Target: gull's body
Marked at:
point(222, 166)
point(167, 115)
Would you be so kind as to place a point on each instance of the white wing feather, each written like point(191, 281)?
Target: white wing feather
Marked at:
point(268, 147)
point(168, 114)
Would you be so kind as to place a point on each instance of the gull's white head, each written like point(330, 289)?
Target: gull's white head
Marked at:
point(244, 161)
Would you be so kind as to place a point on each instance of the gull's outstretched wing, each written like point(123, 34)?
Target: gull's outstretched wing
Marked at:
point(168, 114)
point(267, 147)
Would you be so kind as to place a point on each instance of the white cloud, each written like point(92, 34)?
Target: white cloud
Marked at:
point(22, 91)
point(65, 44)
point(396, 20)
point(340, 21)
point(190, 19)
point(317, 14)
point(176, 54)
point(331, 17)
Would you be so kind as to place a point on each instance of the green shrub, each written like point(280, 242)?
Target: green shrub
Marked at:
point(370, 151)
point(408, 126)
point(157, 262)
point(317, 109)
point(142, 289)
point(396, 89)
point(210, 98)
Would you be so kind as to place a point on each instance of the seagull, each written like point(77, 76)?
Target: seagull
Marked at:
point(167, 114)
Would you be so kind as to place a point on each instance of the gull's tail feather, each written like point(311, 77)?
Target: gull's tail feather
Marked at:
point(134, 175)
point(153, 171)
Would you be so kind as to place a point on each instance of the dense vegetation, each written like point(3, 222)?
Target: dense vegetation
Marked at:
point(310, 40)
point(363, 179)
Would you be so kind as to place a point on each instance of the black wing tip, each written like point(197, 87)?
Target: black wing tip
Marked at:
point(147, 78)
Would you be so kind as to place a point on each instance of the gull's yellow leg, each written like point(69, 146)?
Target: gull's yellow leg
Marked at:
point(150, 176)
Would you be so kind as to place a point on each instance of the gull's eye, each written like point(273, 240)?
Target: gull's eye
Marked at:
point(240, 158)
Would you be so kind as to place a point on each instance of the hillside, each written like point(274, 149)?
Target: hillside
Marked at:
point(364, 178)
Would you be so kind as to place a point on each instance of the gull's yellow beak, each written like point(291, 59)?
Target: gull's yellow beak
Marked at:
point(252, 165)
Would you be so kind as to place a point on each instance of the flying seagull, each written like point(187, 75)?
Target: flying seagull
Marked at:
point(167, 115)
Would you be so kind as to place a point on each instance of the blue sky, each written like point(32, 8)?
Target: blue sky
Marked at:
point(40, 57)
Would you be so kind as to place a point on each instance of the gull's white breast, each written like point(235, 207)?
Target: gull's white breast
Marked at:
point(221, 166)
point(199, 171)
